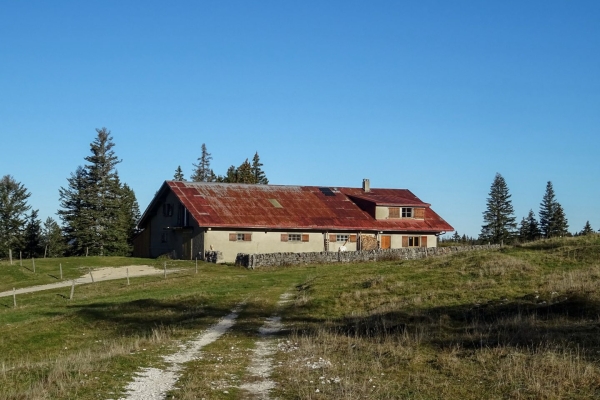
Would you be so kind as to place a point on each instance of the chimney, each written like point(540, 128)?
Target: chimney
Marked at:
point(366, 186)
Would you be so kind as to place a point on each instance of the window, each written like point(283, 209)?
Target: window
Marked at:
point(394, 212)
point(342, 238)
point(163, 237)
point(240, 237)
point(413, 241)
point(407, 212)
point(167, 210)
point(294, 237)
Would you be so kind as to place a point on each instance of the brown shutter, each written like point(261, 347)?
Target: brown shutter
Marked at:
point(233, 237)
point(332, 238)
point(423, 241)
point(305, 238)
point(352, 238)
point(247, 237)
point(404, 241)
point(420, 213)
point(394, 212)
point(284, 237)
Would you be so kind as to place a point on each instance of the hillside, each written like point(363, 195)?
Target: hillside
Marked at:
point(522, 322)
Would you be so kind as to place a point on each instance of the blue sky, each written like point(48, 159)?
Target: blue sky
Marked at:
point(432, 96)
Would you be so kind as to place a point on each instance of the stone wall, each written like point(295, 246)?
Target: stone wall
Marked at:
point(283, 259)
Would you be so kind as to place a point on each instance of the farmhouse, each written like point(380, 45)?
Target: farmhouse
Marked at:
point(187, 219)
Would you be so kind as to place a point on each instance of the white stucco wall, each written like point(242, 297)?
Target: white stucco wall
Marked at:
point(262, 242)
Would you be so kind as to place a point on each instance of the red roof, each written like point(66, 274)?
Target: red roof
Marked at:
point(297, 207)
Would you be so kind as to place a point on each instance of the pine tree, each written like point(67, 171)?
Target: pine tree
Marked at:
point(547, 210)
point(75, 212)
point(13, 209)
point(202, 171)
point(178, 174)
point(92, 204)
point(553, 221)
point(257, 172)
point(560, 223)
point(455, 237)
point(244, 173)
point(499, 222)
point(33, 235)
point(130, 216)
point(587, 229)
point(529, 229)
point(52, 239)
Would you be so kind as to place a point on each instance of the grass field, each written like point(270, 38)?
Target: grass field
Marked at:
point(519, 323)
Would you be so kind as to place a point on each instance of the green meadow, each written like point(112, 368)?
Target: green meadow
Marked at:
point(522, 322)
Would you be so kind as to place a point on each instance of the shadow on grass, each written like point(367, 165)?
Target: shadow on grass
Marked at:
point(141, 317)
point(571, 321)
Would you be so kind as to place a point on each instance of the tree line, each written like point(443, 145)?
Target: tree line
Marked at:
point(99, 213)
point(246, 172)
point(499, 222)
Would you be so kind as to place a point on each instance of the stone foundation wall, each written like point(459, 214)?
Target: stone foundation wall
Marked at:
point(283, 259)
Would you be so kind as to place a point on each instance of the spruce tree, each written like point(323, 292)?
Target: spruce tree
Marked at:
point(587, 229)
point(92, 209)
point(259, 175)
point(75, 212)
point(529, 230)
point(130, 216)
point(202, 171)
point(244, 173)
point(178, 174)
point(547, 210)
point(33, 235)
point(553, 221)
point(13, 215)
point(499, 222)
point(52, 239)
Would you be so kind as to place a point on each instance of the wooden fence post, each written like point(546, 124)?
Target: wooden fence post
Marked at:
point(91, 276)
point(72, 289)
point(196, 264)
point(10, 255)
point(21, 258)
point(60, 265)
point(33, 263)
point(165, 265)
point(14, 298)
point(127, 276)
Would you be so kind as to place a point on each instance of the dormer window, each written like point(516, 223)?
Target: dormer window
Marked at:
point(407, 212)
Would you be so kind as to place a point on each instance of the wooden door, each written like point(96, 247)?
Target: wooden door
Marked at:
point(386, 241)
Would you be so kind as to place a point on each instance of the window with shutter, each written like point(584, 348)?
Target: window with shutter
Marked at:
point(394, 212)
point(284, 237)
point(305, 238)
point(247, 237)
point(233, 237)
point(420, 213)
point(423, 241)
point(404, 241)
point(352, 238)
point(332, 238)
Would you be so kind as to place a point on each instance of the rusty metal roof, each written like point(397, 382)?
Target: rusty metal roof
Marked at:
point(296, 207)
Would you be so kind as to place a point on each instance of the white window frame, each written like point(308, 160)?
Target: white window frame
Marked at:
point(407, 212)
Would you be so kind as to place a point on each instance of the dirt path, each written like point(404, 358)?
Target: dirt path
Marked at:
point(99, 274)
point(154, 383)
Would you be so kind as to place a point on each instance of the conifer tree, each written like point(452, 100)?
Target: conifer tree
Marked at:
point(92, 209)
point(553, 221)
point(257, 172)
point(455, 237)
point(244, 173)
point(130, 216)
point(587, 229)
point(178, 174)
point(13, 217)
point(202, 171)
point(529, 229)
point(499, 222)
point(33, 235)
point(52, 239)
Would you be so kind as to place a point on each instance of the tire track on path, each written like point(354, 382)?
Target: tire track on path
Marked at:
point(155, 383)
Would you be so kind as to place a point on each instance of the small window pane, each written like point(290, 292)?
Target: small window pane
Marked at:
point(294, 237)
point(342, 238)
point(407, 212)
